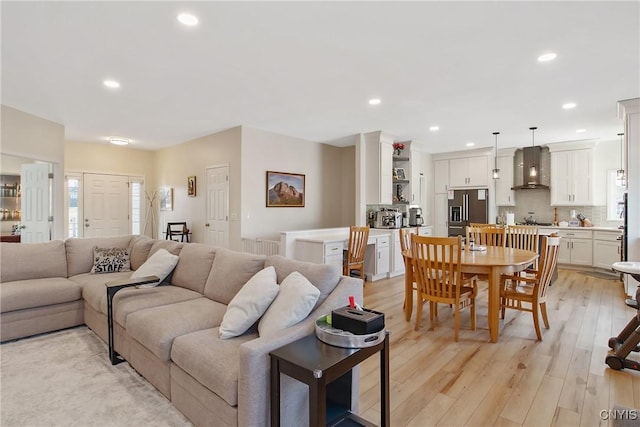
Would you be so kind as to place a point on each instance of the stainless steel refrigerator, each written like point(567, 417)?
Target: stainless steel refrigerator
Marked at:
point(467, 206)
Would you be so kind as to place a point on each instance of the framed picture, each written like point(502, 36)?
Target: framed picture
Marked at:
point(285, 189)
point(398, 174)
point(166, 198)
point(191, 186)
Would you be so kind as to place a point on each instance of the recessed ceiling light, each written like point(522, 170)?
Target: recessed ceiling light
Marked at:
point(374, 101)
point(434, 128)
point(547, 57)
point(569, 105)
point(581, 130)
point(119, 141)
point(111, 84)
point(470, 144)
point(188, 19)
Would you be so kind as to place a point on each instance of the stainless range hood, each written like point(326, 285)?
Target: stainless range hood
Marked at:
point(529, 157)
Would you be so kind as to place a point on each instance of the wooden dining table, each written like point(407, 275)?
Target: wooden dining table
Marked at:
point(493, 262)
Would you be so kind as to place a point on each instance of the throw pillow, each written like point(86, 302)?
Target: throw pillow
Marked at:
point(110, 260)
point(294, 303)
point(160, 264)
point(250, 303)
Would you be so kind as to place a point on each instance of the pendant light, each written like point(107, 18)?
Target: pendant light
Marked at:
point(620, 175)
point(496, 171)
point(533, 171)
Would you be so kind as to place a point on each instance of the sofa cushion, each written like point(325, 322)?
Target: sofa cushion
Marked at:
point(140, 247)
point(93, 286)
point(22, 294)
point(80, 251)
point(169, 245)
point(230, 271)
point(32, 260)
point(110, 260)
point(250, 303)
point(212, 361)
point(325, 277)
point(160, 264)
point(294, 302)
point(194, 266)
point(156, 328)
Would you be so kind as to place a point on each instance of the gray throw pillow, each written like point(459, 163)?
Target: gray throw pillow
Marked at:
point(111, 260)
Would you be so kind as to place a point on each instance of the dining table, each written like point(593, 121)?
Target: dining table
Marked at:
point(492, 261)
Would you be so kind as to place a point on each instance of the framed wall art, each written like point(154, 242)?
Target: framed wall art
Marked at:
point(191, 186)
point(285, 189)
point(166, 198)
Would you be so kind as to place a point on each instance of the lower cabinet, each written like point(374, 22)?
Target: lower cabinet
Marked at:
point(377, 259)
point(606, 249)
point(576, 247)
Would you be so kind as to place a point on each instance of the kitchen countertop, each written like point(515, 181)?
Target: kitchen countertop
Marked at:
point(557, 227)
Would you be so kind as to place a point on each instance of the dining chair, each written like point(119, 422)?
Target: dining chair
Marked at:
point(405, 245)
point(487, 236)
point(523, 237)
point(177, 229)
point(437, 269)
point(357, 247)
point(528, 292)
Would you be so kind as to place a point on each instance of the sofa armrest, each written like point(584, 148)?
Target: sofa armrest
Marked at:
point(253, 376)
point(128, 282)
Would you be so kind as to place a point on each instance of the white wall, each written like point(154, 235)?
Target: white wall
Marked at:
point(329, 183)
point(32, 137)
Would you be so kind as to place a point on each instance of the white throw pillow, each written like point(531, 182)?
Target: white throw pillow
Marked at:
point(294, 302)
point(159, 264)
point(246, 307)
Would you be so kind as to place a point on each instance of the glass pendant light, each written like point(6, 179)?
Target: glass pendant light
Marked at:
point(533, 171)
point(496, 171)
point(620, 175)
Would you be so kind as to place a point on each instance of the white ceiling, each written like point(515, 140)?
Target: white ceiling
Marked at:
point(308, 69)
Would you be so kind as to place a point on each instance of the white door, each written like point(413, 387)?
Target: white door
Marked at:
point(35, 203)
point(105, 205)
point(216, 230)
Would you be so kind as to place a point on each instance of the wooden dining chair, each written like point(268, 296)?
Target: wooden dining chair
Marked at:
point(523, 237)
point(177, 230)
point(528, 292)
point(405, 245)
point(353, 262)
point(487, 236)
point(437, 270)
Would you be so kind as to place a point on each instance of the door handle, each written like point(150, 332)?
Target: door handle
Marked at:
point(207, 224)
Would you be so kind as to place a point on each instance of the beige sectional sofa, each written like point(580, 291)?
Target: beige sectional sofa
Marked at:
point(169, 333)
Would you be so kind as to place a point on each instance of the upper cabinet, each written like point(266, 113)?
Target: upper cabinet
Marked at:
point(572, 177)
point(504, 195)
point(379, 168)
point(469, 172)
point(441, 176)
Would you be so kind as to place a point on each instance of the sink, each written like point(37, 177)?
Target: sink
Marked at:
point(629, 267)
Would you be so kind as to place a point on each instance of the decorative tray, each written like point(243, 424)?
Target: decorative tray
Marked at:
point(339, 338)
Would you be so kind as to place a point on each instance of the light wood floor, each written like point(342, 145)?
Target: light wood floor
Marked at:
point(561, 381)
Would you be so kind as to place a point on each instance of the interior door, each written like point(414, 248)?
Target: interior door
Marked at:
point(35, 202)
point(217, 222)
point(105, 205)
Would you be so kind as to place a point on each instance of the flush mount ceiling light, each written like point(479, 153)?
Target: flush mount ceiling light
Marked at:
point(434, 128)
point(569, 105)
point(533, 171)
point(111, 84)
point(496, 172)
point(374, 101)
point(188, 19)
point(547, 57)
point(470, 144)
point(621, 179)
point(581, 130)
point(119, 141)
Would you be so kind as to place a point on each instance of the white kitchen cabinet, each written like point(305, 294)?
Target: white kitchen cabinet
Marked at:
point(576, 247)
point(377, 258)
point(469, 172)
point(379, 168)
point(572, 177)
point(417, 179)
point(397, 261)
point(319, 252)
point(505, 196)
point(425, 231)
point(441, 176)
point(440, 218)
point(606, 248)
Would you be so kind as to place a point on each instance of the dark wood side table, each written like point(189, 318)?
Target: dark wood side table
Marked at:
point(327, 371)
point(112, 288)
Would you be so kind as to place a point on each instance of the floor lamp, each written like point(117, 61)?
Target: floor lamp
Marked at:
point(151, 216)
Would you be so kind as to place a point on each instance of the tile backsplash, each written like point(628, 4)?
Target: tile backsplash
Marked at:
point(539, 202)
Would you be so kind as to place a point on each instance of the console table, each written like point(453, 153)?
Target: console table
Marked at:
point(327, 371)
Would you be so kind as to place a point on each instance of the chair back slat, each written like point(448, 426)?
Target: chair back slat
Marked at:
point(549, 260)
point(358, 237)
point(405, 239)
point(523, 237)
point(487, 236)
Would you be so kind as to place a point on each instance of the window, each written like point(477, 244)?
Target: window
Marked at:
point(137, 190)
point(615, 192)
point(73, 205)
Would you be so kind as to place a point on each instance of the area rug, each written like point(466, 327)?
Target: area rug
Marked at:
point(601, 275)
point(65, 379)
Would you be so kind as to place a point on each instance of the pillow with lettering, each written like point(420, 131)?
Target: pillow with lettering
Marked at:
point(110, 260)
